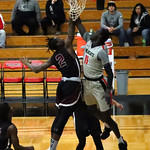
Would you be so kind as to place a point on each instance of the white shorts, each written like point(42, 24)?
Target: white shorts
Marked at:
point(93, 93)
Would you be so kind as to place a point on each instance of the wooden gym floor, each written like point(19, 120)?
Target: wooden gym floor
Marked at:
point(36, 131)
point(134, 128)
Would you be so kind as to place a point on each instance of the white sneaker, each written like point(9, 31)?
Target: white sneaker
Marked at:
point(126, 44)
point(48, 148)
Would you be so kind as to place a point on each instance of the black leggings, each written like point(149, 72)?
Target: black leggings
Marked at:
point(62, 116)
point(87, 124)
point(105, 117)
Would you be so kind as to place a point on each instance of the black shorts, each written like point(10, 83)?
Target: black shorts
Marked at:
point(62, 116)
point(68, 93)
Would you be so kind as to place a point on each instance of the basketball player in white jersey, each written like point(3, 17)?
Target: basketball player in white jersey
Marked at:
point(97, 91)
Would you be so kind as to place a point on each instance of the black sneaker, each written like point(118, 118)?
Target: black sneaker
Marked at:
point(123, 146)
point(106, 133)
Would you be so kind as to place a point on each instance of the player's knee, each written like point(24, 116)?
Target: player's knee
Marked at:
point(56, 130)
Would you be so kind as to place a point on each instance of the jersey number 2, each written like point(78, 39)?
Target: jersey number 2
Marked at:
point(61, 60)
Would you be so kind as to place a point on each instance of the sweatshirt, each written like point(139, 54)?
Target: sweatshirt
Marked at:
point(27, 6)
point(112, 20)
point(2, 23)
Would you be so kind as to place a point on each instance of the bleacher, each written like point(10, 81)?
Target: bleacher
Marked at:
point(34, 47)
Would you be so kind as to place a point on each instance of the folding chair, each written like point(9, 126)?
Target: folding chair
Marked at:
point(34, 85)
point(1, 81)
point(12, 81)
point(53, 76)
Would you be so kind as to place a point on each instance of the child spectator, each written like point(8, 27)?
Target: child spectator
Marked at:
point(2, 32)
point(55, 15)
point(139, 24)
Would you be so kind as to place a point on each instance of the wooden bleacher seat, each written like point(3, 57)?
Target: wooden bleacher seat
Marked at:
point(9, 4)
point(90, 16)
point(40, 41)
point(122, 58)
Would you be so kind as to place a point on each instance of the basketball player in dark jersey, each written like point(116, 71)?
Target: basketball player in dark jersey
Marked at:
point(8, 131)
point(68, 96)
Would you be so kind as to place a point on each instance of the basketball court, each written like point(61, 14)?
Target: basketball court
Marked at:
point(133, 121)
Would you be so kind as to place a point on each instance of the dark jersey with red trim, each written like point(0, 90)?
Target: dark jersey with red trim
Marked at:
point(66, 64)
point(5, 141)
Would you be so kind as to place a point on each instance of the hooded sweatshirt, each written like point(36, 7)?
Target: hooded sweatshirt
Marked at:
point(26, 6)
point(144, 21)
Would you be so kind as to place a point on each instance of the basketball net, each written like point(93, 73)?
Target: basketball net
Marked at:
point(76, 8)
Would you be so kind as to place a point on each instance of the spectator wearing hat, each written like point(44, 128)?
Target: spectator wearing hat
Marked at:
point(113, 21)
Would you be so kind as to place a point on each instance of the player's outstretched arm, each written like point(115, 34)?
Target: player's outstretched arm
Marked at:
point(80, 26)
point(71, 32)
point(12, 131)
point(38, 68)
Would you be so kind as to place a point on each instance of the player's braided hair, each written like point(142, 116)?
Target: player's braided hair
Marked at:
point(51, 42)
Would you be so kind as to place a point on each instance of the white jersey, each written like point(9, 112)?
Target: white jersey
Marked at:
point(92, 66)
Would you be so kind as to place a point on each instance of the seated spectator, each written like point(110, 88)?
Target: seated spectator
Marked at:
point(26, 12)
point(113, 21)
point(8, 131)
point(55, 15)
point(2, 32)
point(139, 24)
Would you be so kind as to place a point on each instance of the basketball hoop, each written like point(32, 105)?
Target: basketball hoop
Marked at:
point(76, 8)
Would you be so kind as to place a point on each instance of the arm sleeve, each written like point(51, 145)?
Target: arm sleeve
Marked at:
point(102, 55)
point(109, 75)
point(14, 11)
point(86, 36)
point(38, 12)
point(120, 20)
point(103, 22)
point(146, 23)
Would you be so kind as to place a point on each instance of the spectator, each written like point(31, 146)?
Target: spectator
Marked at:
point(26, 12)
point(2, 32)
point(139, 24)
point(54, 15)
point(8, 131)
point(113, 21)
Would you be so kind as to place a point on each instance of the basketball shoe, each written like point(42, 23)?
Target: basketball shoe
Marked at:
point(123, 146)
point(106, 133)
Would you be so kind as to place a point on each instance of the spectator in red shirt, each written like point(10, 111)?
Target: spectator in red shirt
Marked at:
point(2, 32)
